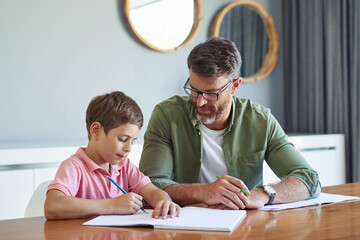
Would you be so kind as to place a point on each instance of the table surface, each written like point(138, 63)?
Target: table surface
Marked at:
point(329, 221)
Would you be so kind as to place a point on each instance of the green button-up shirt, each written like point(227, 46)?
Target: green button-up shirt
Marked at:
point(172, 150)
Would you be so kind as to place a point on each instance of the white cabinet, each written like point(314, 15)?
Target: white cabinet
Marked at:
point(325, 154)
point(16, 191)
point(17, 187)
point(21, 171)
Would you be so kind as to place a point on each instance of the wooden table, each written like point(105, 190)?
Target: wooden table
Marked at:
point(331, 221)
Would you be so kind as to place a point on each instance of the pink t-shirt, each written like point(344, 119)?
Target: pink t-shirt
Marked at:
point(79, 176)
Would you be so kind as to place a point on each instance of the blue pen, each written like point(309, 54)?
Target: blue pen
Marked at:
point(125, 192)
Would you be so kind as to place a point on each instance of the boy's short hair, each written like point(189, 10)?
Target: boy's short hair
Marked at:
point(111, 110)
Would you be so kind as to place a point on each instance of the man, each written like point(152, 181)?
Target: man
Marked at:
point(190, 140)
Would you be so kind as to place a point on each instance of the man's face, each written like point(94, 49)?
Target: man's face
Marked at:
point(210, 111)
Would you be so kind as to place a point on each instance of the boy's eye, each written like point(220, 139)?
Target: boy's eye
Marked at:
point(122, 139)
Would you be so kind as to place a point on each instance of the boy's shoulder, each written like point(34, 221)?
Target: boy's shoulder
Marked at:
point(77, 159)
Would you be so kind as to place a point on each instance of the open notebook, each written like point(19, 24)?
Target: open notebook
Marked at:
point(191, 218)
point(322, 199)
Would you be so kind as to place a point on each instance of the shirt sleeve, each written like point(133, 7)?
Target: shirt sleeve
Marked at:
point(157, 156)
point(67, 178)
point(286, 161)
point(136, 179)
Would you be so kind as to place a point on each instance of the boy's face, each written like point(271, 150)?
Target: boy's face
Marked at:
point(116, 145)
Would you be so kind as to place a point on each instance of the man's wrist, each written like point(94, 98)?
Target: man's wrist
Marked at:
point(270, 191)
point(261, 196)
point(186, 194)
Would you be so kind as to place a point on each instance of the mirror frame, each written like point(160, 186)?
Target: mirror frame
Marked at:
point(198, 19)
point(272, 54)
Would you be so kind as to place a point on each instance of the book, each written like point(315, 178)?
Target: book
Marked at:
point(191, 218)
point(323, 198)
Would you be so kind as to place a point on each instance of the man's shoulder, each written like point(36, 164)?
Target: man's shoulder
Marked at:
point(174, 100)
point(246, 106)
point(174, 104)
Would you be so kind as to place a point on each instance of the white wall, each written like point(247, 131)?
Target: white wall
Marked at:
point(56, 55)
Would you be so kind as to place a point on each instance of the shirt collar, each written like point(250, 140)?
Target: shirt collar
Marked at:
point(92, 166)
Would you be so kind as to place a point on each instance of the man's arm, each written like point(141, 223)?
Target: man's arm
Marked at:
point(223, 192)
point(299, 180)
point(287, 190)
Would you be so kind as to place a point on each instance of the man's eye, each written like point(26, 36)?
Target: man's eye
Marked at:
point(121, 140)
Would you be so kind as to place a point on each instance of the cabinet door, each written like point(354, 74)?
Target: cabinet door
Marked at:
point(43, 174)
point(326, 164)
point(16, 191)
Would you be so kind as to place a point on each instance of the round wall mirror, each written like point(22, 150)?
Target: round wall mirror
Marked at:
point(254, 32)
point(164, 25)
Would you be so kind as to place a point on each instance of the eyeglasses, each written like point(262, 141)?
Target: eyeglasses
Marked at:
point(210, 96)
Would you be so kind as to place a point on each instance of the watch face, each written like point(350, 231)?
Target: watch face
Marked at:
point(270, 190)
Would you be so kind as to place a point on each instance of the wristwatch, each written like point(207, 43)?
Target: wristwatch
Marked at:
point(271, 192)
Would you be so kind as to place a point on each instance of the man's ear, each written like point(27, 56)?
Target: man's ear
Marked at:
point(95, 129)
point(235, 86)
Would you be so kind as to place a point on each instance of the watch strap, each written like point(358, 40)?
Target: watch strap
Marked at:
point(271, 194)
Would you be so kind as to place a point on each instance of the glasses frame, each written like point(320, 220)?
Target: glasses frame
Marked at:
point(202, 93)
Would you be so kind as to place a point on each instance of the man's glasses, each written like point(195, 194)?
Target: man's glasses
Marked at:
point(210, 96)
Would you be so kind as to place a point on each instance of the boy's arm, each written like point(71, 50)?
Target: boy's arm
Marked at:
point(60, 206)
point(160, 201)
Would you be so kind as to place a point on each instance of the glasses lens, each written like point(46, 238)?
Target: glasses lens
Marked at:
point(191, 92)
point(210, 96)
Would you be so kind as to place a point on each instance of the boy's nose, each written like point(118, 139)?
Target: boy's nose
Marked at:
point(127, 147)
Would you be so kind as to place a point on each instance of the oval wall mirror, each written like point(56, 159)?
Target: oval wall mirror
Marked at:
point(164, 25)
point(253, 31)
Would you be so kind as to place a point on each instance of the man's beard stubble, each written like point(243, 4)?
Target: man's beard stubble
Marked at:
point(215, 112)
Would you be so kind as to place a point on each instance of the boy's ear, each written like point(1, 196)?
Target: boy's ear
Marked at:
point(95, 130)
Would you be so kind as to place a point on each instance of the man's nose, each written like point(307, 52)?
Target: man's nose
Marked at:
point(200, 101)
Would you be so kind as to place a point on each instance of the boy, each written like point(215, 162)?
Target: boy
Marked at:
point(81, 187)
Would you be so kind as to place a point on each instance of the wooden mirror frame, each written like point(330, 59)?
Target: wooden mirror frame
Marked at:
point(198, 19)
point(272, 54)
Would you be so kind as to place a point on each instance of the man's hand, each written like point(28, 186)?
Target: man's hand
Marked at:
point(257, 199)
point(225, 193)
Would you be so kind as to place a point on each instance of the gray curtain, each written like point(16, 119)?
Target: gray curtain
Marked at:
point(322, 71)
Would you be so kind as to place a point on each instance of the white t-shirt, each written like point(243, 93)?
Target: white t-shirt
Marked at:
point(213, 161)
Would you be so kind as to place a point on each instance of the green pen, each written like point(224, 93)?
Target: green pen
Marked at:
point(244, 191)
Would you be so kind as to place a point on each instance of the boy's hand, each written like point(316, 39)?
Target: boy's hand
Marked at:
point(165, 207)
point(126, 204)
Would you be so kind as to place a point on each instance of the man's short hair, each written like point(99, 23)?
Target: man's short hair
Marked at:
point(111, 110)
point(214, 58)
